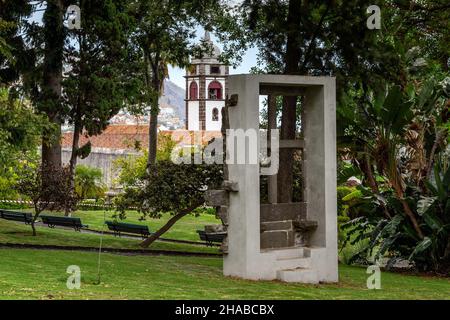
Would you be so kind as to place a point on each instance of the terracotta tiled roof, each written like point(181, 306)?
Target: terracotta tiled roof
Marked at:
point(129, 136)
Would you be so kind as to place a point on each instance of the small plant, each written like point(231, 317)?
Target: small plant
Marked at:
point(48, 188)
point(88, 182)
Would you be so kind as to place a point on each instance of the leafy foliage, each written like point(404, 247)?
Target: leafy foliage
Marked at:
point(133, 168)
point(48, 188)
point(168, 187)
point(171, 187)
point(396, 238)
point(13, 51)
point(88, 182)
point(100, 81)
point(20, 129)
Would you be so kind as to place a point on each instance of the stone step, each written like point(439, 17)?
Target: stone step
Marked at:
point(277, 225)
point(289, 253)
point(302, 275)
point(288, 264)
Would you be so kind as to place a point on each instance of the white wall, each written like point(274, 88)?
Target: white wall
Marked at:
point(213, 125)
point(193, 115)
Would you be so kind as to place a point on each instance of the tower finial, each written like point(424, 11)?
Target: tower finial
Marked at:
point(207, 36)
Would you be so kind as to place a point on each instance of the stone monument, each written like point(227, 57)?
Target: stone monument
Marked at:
point(290, 241)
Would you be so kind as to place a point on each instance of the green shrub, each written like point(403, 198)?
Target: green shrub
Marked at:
point(395, 237)
point(88, 182)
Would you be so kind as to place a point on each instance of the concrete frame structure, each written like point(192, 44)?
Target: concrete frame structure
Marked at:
point(319, 261)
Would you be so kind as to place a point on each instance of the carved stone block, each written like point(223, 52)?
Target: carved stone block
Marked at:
point(217, 198)
point(230, 186)
point(222, 214)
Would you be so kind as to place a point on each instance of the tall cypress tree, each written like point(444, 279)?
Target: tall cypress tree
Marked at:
point(13, 54)
point(50, 87)
point(100, 79)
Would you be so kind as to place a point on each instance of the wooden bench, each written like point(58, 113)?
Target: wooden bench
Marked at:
point(16, 216)
point(210, 238)
point(119, 227)
point(70, 222)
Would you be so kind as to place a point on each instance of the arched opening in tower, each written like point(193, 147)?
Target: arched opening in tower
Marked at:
point(215, 90)
point(193, 90)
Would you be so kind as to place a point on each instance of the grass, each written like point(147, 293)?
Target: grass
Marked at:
point(41, 274)
point(19, 233)
point(36, 274)
point(185, 229)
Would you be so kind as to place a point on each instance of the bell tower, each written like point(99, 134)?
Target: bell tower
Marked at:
point(206, 89)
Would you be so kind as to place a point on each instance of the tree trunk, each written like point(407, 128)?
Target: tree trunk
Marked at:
point(33, 221)
point(153, 135)
point(52, 78)
point(153, 82)
point(400, 196)
point(368, 173)
point(288, 117)
point(33, 228)
point(440, 135)
point(285, 172)
point(154, 236)
point(73, 160)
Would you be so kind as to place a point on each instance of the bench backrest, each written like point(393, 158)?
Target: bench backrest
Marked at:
point(61, 221)
point(202, 235)
point(127, 227)
point(216, 237)
point(213, 237)
point(16, 216)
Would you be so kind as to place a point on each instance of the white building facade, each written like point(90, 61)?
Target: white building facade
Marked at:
point(206, 89)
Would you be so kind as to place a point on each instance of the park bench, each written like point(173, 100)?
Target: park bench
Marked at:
point(16, 216)
point(210, 238)
point(119, 227)
point(70, 222)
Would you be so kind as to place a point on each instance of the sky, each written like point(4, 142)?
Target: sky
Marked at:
point(248, 61)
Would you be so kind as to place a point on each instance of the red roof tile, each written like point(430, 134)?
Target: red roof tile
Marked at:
point(129, 136)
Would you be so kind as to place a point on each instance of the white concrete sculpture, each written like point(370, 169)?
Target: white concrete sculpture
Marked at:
point(260, 244)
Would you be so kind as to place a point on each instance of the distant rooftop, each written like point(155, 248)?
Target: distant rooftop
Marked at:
point(130, 136)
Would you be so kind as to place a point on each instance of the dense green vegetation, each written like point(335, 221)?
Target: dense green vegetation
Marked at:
point(396, 143)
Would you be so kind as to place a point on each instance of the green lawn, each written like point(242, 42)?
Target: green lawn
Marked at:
point(41, 274)
point(19, 233)
point(36, 274)
point(185, 229)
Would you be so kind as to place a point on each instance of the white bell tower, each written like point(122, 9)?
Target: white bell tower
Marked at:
point(206, 89)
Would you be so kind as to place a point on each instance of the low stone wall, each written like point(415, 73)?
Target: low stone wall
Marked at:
point(103, 159)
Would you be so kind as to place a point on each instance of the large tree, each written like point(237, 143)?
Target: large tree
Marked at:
point(33, 54)
point(50, 85)
point(164, 33)
point(99, 80)
point(328, 38)
point(13, 58)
